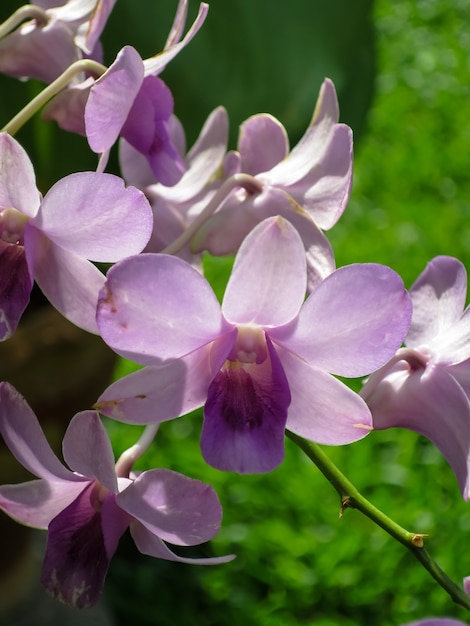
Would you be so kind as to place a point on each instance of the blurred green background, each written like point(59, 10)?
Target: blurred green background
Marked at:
point(402, 73)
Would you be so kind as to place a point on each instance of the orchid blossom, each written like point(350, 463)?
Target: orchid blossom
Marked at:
point(84, 217)
point(426, 386)
point(55, 36)
point(309, 186)
point(86, 509)
point(261, 363)
point(131, 101)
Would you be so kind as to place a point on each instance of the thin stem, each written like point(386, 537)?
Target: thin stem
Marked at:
point(130, 456)
point(84, 65)
point(251, 184)
point(351, 498)
point(28, 11)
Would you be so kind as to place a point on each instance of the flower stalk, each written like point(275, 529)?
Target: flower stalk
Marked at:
point(351, 498)
point(83, 65)
point(28, 11)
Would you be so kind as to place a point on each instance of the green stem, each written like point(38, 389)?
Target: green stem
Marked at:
point(28, 11)
point(84, 65)
point(352, 498)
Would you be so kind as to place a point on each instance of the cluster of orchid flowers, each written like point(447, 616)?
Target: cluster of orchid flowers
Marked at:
point(267, 359)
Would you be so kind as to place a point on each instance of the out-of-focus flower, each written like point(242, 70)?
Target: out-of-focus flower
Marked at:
point(58, 35)
point(437, 621)
point(86, 509)
point(264, 361)
point(84, 217)
point(426, 386)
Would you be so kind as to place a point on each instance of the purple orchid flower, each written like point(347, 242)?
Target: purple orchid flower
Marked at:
point(131, 101)
point(309, 186)
point(175, 208)
point(264, 361)
point(85, 216)
point(58, 35)
point(86, 509)
point(426, 386)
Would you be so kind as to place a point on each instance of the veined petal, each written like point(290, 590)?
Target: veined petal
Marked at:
point(430, 402)
point(323, 409)
point(268, 281)
point(70, 283)
point(94, 216)
point(262, 143)
point(148, 543)
point(37, 502)
point(17, 179)
point(162, 392)
point(353, 322)
point(23, 435)
point(16, 283)
point(245, 416)
point(156, 307)
point(452, 346)
point(111, 98)
point(175, 508)
point(324, 191)
point(438, 297)
point(76, 560)
point(87, 449)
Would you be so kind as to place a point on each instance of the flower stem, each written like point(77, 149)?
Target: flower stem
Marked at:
point(84, 65)
point(129, 457)
point(352, 498)
point(28, 11)
point(251, 184)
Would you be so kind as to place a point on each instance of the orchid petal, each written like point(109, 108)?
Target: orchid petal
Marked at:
point(111, 98)
point(87, 449)
point(16, 283)
point(156, 306)
point(268, 280)
point(262, 143)
point(324, 192)
point(17, 179)
point(453, 345)
point(162, 392)
point(38, 52)
point(67, 108)
point(430, 402)
point(105, 221)
point(23, 435)
point(36, 503)
point(353, 322)
point(313, 144)
point(204, 158)
point(245, 417)
point(71, 284)
point(438, 297)
point(175, 508)
point(148, 543)
point(76, 561)
point(157, 63)
point(323, 409)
